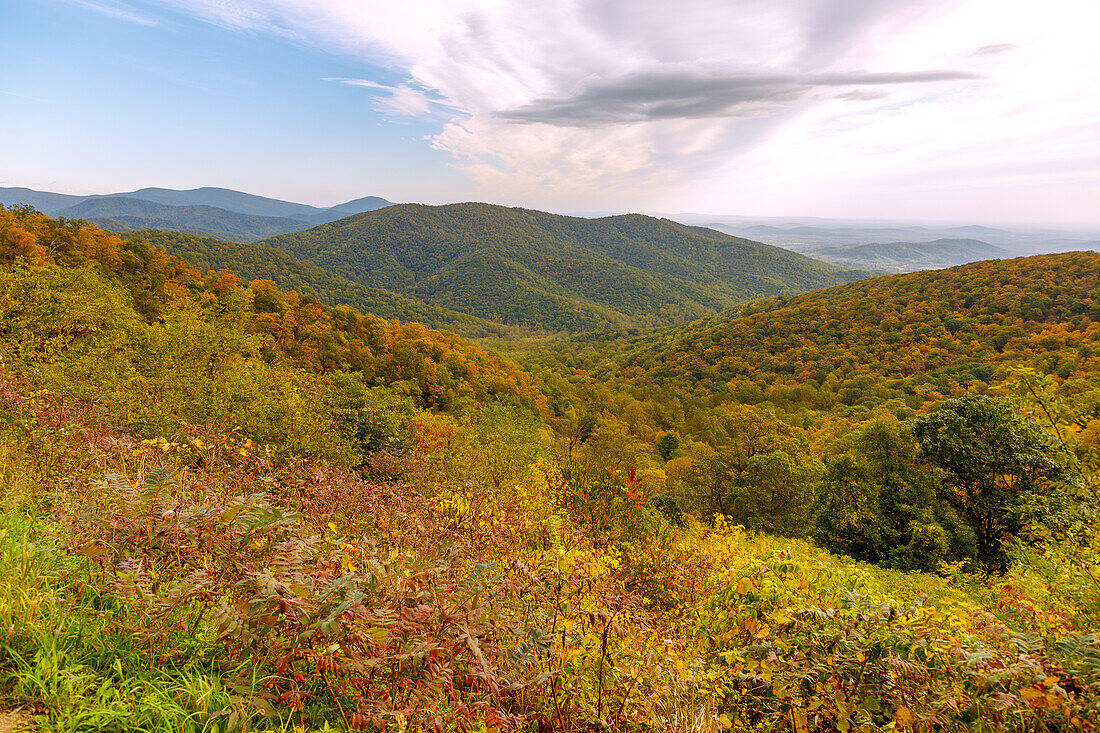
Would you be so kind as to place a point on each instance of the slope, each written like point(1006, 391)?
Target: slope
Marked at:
point(263, 262)
point(549, 272)
point(44, 201)
point(118, 211)
point(225, 198)
point(65, 285)
point(911, 338)
point(910, 256)
point(262, 216)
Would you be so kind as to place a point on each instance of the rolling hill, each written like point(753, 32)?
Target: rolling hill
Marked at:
point(910, 256)
point(263, 262)
point(218, 212)
point(118, 213)
point(550, 273)
point(901, 339)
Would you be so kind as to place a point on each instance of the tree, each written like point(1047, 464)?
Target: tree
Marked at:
point(995, 461)
point(667, 446)
point(879, 504)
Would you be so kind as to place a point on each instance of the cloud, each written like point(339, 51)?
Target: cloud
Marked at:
point(118, 11)
point(605, 103)
point(863, 95)
point(693, 94)
point(403, 100)
point(993, 49)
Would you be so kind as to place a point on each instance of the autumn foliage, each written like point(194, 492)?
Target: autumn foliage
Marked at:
point(229, 507)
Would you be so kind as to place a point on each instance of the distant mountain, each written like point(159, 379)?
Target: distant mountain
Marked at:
point(975, 232)
point(224, 198)
point(120, 214)
point(810, 235)
point(812, 238)
point(359, 206)
point(911, 256)
point(256, 217)
point(263, 262)
point(44, 201)
point(548, 272)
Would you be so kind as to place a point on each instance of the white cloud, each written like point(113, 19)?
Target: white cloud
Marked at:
point(116, 10)
point(532, 88)
point(401, 101)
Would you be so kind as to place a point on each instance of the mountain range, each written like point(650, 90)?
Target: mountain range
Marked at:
point(547, 272)
point(259, 261)
point(236, 216)
point(215, 212)
point(812, 236)
point(911, 256)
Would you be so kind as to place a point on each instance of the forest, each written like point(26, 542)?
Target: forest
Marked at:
point(547, 273)
point(234, 502)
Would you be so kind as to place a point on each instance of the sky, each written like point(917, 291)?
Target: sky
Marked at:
point(939, 110)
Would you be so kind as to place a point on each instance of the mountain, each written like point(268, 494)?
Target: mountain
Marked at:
point(910, 256)
point(224, 198)
point(901, 339)
point(809, 235)
point(264, 262)
point(44, 201)
point(120, 213)
point(218, 212)
point(548, 272)
point(359, 206)
point(266, 488)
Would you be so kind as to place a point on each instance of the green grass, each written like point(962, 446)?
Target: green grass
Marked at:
point(66, 651)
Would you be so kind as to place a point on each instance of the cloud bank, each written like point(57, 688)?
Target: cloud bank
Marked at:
point(692, 94)
point(645, 101)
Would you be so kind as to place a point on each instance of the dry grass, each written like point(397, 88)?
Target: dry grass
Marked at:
point(15, 720)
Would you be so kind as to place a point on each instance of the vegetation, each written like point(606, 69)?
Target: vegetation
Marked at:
point(555, 273)
point(264, 262)
point(909, 256)
point(229, 507)
point(208, 211)
point(119, 213)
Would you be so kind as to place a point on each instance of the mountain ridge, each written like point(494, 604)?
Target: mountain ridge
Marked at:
point(564, 273)
point(231, 214)
point(910, 256)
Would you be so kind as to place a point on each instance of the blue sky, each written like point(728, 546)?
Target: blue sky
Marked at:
point(964, 110)
point(110, 102)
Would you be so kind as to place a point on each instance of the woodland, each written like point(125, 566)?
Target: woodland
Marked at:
point(267, 488)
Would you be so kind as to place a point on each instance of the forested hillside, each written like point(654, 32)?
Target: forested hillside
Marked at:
point(259, 261)
point(555, 273)
point(225, 506)
point(208, 211)
point(121, 214)
point(923, 334)
point(910, 256)
point(145, 321)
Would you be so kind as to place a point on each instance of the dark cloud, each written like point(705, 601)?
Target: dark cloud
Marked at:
point(693, 94)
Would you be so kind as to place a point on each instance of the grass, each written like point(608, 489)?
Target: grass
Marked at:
point(65, 653)
point(68, 651)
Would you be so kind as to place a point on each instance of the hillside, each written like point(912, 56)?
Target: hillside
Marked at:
point(217, 212)
point(911, 256)
point(118, 211)
point(263, 262)
point(549, 272)
point(231, 508)
point(892, 343)
point(125, 295)
point(224, 198)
